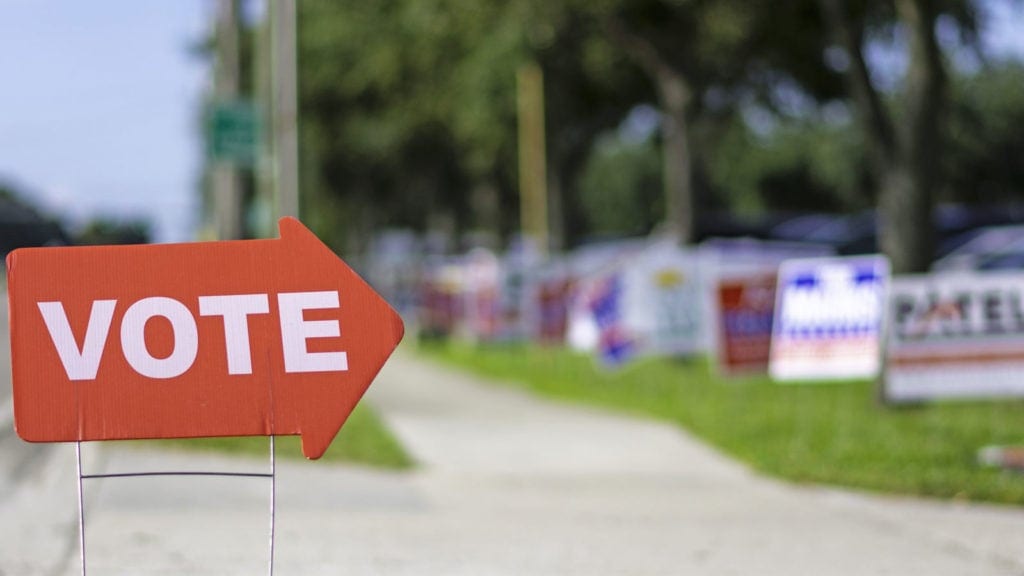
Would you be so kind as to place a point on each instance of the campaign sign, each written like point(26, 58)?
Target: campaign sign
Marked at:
point(828, 318)
point(441, 307)
point(616, 344)
point(551, 294)
point(233, 338)
point(649, 305)
point(482, 276)
point(746, 305)
point(664, 301)
point(956, 335)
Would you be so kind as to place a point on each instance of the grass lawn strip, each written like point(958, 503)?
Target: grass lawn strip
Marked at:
point(362, 440)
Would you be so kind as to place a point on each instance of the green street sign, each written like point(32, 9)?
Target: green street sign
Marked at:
point(232, 132)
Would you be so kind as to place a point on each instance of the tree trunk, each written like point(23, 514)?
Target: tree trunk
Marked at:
point(907, 231)
point(676, 160)
point(905, 227)
point(674, 97)
point(902, 155)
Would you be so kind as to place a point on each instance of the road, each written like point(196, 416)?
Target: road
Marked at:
point(507, 484)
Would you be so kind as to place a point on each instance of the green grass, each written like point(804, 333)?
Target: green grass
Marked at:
point(827, 433)
point(362, 440)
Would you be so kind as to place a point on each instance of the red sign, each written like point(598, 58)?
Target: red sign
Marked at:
point(236, 338)
point(746, 306)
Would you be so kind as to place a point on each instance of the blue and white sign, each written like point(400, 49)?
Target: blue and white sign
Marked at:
point(829, 315)
point(616, 345)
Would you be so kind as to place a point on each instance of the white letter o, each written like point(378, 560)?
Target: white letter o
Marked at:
point(133, 337)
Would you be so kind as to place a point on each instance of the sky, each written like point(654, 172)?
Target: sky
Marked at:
point(99, 105)
point(99, 108)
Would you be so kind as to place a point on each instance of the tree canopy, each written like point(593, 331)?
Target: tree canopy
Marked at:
point(408, 113)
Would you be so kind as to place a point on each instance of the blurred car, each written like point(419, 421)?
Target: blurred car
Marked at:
point(990, 248)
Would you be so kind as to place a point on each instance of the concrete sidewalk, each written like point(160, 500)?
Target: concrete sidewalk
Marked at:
point(622, 496)
point(508, 484)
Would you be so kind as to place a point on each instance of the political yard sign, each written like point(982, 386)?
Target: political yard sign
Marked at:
point(829, 316)
point(746, 304)
point(665, 301)
point(956, 335)
point(651, 305)
point(604, 301)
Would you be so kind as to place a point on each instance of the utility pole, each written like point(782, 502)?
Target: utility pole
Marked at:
point(285, 107)
point(533, 200)
point(227, 202)
point(263, 97)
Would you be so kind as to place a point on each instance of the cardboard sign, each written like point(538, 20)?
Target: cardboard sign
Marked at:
point(616, 344)
point(237, 338)
point(650, 303)
point(553, 295)
point(482, 279)
point(956, 335)
point(514, 301)
point(441, 310)
point(736, 260)
point(829, 318)
point(664, 301)
point(746, 305)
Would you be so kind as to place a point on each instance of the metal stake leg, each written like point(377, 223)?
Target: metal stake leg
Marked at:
point(272, 475)
point(273, 498)
point(81, 505)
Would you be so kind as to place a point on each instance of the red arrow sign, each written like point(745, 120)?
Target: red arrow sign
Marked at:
point(236, 338)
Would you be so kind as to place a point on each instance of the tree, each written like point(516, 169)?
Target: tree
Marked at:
point(985, 161)
point(405, 110)
point(104, 230)
point(807, 163)
point(590, 87)
point(705, 59)
point(902, 153)
point(409, 107)
point(624, 189)
point(22, 224)
point(409, 115)
point(670, 61)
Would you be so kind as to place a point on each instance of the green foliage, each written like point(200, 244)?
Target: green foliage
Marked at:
point(986, 135)
point(621, 187)
point(408, 105)
point(798, 164)
point(363, 440)
point(828, 433)
point(109, 231)
point(408, 109)
point(407, 102)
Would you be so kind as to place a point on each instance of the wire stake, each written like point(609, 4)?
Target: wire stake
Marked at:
point(81, 505)
point(272, 476)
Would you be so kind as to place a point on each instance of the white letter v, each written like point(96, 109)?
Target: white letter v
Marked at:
point(79, 364)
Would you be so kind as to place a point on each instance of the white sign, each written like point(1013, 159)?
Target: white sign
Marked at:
point(481, 290)
point(829, 318)
point(956, 335)
point(664, 302)
point(653, 298)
